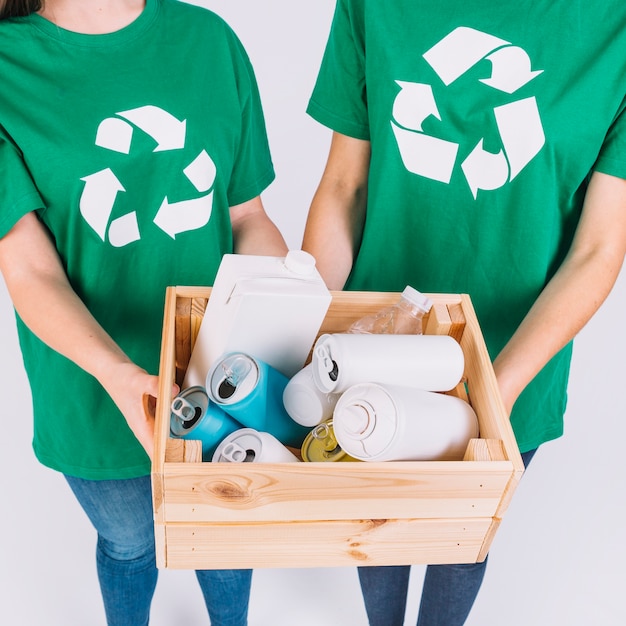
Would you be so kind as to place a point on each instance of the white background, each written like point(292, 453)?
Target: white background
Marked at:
point(557, 556)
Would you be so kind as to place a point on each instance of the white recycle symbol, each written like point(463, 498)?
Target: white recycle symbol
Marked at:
point(518, 122)
point(100, 191)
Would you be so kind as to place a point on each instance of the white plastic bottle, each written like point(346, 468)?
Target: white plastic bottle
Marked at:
point(402, 318)
point(305, 402)
point(374, 422)
point(430, 362)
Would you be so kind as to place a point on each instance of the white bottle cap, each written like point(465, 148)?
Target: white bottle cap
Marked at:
point(417, 298)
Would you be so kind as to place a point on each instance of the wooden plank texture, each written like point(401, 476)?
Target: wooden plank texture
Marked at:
point(198, 306)
point(483, 390)
point(182, 337)
point(485, 450)
point(183, 451)
point(167, 374)
point(333, 544)
point(438, 321)
point(322, 491)
point(457, 320)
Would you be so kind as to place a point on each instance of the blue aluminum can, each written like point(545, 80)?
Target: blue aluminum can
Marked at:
point(251, 391)
point(194, 416)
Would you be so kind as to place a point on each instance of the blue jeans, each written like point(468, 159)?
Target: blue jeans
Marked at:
point(448, 593)
point(121, 512)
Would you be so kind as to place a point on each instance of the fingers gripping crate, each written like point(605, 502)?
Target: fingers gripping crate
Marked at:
point(227, 515)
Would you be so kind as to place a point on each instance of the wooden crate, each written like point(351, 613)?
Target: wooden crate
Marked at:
point(218, 515)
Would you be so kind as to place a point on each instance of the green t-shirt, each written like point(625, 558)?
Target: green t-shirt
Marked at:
point(131, 147)
point(485, 121)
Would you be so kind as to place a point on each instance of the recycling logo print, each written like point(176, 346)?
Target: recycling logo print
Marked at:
point(518, 122)
point(101, 188)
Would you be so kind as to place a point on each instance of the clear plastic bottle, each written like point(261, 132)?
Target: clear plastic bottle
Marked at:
point(402, 318)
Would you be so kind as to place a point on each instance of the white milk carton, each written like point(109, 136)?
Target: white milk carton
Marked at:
point(270, 308)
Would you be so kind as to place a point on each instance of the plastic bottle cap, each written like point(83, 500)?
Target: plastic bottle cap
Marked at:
point(300, 262)
point(417, 298)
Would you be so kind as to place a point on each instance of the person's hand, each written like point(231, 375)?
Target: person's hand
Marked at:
point(134, 391)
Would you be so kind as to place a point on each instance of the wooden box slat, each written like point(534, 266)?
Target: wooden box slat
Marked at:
point(341, 543)
point(332, 514)
point(266, 492)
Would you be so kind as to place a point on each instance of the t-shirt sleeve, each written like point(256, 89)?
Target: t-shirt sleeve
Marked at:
point(18, 194)
point(253, 170)
point(339, 98)
point(612, 158)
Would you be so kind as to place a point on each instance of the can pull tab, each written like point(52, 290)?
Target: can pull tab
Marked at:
point(325, 436)
point(235, 371)
point(234, 453)
point(184, 409)
point(329, 365)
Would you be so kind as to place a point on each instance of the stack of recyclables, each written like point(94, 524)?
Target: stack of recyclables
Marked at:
point(366, 397)
point(255, 515)
point(257, 331)
point(239, 415)
point(382, 391)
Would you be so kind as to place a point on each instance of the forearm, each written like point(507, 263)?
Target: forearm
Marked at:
point(574, 294)
point(69, 328)
point(332, 233)
point(335, 221)
point(254, 232)
point(46, 302)
point(564, 307)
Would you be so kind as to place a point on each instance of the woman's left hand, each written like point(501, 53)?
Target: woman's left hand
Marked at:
point(134, 391)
